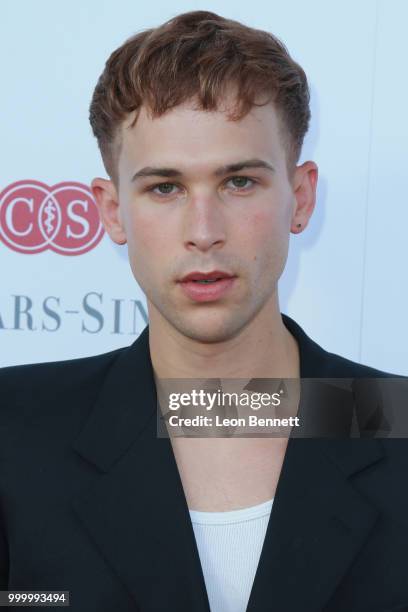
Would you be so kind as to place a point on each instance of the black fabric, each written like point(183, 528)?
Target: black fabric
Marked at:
point(91, 500)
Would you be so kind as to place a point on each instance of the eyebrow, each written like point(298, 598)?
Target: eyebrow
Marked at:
point(221, 171)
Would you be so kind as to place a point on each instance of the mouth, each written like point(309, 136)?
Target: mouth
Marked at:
point(206, 277)
point(207, 287)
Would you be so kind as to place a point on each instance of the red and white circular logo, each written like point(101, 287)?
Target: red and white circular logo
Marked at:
point(63, 218)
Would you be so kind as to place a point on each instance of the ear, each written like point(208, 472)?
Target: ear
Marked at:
point(304, 188)
point(107, 201)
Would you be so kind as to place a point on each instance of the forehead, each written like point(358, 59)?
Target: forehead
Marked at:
point(187, 134)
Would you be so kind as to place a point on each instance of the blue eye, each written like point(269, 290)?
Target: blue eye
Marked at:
point(160, 185)
point(240, 179)
point(166, 188)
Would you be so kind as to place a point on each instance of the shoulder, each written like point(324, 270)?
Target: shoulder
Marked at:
point(50, 374)
point(342, 367)
point(39, 394)
point(317, 362)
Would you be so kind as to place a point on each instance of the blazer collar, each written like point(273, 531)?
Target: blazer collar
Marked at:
point(136, 512)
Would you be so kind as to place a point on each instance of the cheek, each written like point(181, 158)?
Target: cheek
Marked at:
point(140, 234)
point(147, 234)
point(149, 246)
point(266, 239)
point(264, 227)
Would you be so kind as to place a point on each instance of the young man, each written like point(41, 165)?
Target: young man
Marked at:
point(200, 124)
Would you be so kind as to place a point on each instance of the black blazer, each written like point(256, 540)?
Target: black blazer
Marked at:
point(91, 500)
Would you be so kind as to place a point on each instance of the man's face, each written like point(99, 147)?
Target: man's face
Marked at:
point(202, 220)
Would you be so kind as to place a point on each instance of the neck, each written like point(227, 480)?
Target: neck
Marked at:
point(263, 349)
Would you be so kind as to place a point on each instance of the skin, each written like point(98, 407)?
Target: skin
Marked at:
point(198, 221)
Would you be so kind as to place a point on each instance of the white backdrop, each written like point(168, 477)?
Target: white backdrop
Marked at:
point(346, 276)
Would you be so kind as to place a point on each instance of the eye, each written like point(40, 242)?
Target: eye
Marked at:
point(164, 189)
point(240, 182)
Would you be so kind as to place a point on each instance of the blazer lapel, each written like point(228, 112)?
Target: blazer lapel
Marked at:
point(135, 509)
point(317, 525)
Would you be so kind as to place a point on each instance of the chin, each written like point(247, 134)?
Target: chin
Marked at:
point(209, 331)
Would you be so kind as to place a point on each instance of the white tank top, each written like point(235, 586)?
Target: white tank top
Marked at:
point(229, 546)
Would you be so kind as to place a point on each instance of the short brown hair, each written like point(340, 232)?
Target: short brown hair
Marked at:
point(196, 55)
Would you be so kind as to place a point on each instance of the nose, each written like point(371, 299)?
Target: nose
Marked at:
point(204, 225)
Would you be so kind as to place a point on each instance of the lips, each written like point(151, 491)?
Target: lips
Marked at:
point(207, 286)
point(206, 276)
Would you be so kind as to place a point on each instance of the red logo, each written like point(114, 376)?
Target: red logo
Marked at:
point(63, 218)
